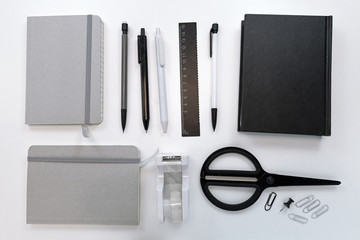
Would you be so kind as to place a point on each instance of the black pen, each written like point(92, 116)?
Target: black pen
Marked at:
point(142, 58)
point(124, 50)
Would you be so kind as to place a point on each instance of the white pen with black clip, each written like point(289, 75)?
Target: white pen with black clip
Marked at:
point(160, 60)
point(214, 72)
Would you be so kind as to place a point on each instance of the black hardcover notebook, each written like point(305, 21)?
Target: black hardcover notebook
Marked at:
point(285, 74)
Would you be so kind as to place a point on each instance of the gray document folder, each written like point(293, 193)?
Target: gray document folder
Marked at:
point(64, 72)
point(83, 185)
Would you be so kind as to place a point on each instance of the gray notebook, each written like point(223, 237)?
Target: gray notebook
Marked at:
point(83, 185)
point(64, 72)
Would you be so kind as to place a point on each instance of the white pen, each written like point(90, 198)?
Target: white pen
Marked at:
point(160, 60)
point(214, 71)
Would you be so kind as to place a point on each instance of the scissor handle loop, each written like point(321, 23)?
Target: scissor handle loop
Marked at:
point(226, 150)
point(205, 183)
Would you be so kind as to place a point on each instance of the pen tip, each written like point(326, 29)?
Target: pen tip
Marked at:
point(213, 117)
point(164, 125)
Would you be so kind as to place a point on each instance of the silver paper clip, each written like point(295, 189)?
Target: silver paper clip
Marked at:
point(304, 201)
point(270, 201)
point(298, 218)
point(320, 211)
point(312, 206)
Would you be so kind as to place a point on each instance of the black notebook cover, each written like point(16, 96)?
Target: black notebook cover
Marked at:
point(285, 74)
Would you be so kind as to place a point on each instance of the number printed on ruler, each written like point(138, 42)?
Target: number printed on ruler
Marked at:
point(189, 80)
point(183, 68)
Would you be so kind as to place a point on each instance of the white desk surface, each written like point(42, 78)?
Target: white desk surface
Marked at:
point(335, 157)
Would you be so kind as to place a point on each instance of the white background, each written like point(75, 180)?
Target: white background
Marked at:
point(335, 157)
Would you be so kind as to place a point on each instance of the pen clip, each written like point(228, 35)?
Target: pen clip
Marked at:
point(214, 30)
point(161, 49)
point(162, 53)
point(139, 48)
point(211, 33)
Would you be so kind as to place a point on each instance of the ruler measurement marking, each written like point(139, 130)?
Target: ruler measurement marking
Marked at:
point(189, 80)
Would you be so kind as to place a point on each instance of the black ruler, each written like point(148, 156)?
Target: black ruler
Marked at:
point(190, 122)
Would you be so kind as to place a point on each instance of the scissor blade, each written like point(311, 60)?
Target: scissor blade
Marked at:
point(236, 179)
point(284, 180)
point(230, 173)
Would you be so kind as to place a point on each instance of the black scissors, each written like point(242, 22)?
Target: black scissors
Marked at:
point(258, 179)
